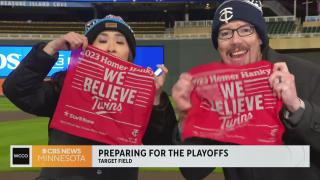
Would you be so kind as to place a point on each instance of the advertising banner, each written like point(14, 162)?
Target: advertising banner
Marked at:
point(11, 56)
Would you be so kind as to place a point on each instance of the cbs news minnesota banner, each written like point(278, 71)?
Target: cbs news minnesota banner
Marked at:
point(159, 156)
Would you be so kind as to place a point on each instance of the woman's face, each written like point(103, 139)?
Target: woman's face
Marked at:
point(114, 43)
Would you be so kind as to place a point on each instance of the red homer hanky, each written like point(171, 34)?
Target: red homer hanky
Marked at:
point(234, 104)
point(105, 99)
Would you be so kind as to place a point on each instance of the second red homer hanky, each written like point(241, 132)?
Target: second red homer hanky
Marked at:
point(234, 104)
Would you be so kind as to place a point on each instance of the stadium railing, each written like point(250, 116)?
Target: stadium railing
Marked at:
point(148, 27)
point(30, 27)
point(182, 30)
point(7, 36)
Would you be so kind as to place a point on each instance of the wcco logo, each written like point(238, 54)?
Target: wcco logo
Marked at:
point(20, 156)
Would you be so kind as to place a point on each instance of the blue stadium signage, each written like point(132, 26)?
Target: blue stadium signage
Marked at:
point(11, 56)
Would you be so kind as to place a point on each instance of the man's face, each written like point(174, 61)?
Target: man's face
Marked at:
point(239, 50)
point(114, 43)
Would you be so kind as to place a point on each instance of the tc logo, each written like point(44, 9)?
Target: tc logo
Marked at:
point(20, 156)
point(226, 14)
point(135, 132)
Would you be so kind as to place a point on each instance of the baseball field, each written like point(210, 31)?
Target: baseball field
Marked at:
point(19, 128)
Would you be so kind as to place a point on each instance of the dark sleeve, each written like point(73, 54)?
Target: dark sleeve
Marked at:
point(162, 123)
point(25, 86)
point(307, 129)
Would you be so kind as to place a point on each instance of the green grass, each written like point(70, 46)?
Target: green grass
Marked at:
point(6, 105)
point(24, 132)
point(34, 132)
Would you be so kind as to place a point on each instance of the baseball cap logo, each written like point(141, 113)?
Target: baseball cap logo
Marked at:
point(135, 132)
point(226, 14)
point(110, 25)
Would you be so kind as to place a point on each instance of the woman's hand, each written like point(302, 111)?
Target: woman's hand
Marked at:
point(159, 81)
point(69, 41)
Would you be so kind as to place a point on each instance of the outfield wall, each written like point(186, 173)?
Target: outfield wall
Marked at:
point(181, 55)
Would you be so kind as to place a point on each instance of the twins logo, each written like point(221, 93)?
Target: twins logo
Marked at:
point(226, 14)
point(135, 132)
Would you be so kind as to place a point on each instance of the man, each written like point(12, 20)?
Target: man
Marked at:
point(239, 34)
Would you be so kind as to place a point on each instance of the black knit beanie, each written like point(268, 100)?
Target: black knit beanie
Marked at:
point(246, 10)
point(111, 22)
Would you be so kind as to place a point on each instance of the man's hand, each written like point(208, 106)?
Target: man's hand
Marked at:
point(181, 92)
point(283, 84)
point(69, 41)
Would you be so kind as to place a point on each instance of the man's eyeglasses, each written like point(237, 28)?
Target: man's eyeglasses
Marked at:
point(242, 31)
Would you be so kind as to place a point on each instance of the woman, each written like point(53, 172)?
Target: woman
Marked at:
point(27, 90)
